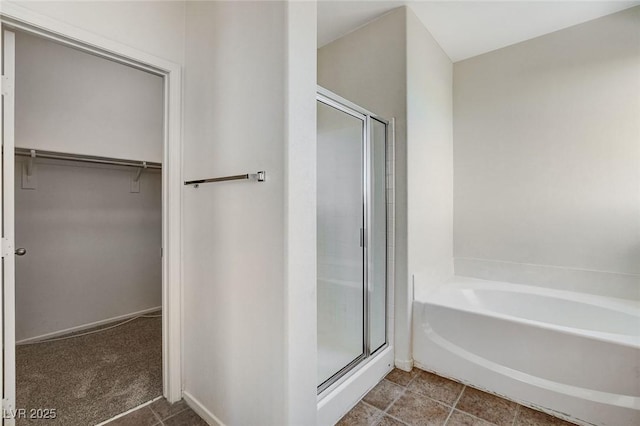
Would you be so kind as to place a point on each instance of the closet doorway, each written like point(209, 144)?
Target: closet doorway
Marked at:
point(86, 219)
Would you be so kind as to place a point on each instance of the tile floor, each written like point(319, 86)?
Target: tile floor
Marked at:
point(161, 413)
point(420, 398)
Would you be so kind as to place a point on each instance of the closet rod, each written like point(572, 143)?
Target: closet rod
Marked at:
point(26, 152)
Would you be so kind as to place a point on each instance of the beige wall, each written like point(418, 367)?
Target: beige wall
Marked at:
point(249, 257)
point(234, 232)
point(547, 159)
point(155, 27)
point(429, 157)
point(300, 214)
point(93, 247)
point(75, 102)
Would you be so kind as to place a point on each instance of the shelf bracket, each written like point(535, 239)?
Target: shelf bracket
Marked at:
point(29, 178)
point(139, 172)
point(32, 157)
point(135, 179)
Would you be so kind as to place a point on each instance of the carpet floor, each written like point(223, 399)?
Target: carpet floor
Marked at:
point(90, 379)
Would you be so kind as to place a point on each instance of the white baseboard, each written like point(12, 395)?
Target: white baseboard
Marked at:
point(86, 326)
point(405, 365)
point(201, 410)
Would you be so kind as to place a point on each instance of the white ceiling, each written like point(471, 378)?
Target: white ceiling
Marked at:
point(467, 28)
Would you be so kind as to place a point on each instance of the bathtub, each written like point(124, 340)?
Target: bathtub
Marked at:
point(573, 355)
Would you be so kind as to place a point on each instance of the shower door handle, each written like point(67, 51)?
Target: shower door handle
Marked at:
point(21, 251)
point(362, 237)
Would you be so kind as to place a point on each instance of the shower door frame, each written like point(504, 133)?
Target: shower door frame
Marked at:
point(335, 101)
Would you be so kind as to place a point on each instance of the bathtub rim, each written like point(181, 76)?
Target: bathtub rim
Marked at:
point(435, 297)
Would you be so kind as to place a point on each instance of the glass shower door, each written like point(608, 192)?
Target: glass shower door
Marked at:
point(340, 240)
point(351, 237)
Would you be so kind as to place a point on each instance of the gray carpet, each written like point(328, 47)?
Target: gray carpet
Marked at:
point(91, 378)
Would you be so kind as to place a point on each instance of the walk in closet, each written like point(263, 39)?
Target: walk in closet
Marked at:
point(88, 214)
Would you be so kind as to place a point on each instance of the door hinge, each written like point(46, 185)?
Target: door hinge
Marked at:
point(7, 406)
point(7, 247)
point(7, 86)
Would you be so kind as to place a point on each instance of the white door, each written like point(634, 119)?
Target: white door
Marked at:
point(7, 266)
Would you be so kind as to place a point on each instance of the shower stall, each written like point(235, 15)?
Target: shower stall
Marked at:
point(352, 238)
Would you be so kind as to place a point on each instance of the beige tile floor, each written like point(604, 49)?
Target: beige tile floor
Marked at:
point(160, 413)
point(420, 398)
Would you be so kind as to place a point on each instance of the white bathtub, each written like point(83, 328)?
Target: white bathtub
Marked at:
point(574, 355)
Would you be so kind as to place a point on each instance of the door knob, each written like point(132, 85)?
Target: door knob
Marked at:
point(21, 251)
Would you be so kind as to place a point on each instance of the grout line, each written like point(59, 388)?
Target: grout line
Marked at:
point(404, 391)
point(365, 403)
point(157, 416)
point(426, 397)
point(181, 411)
point(469, 414)
point(380, 414)
point(396, 419)
point(415, 376)
point(394, 401)
point(453, 406)
point(476, 417)
point(450, 407)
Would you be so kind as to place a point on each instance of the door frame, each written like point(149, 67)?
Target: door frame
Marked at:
point(16, 17)
point(362, 374)
point(364, 197)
